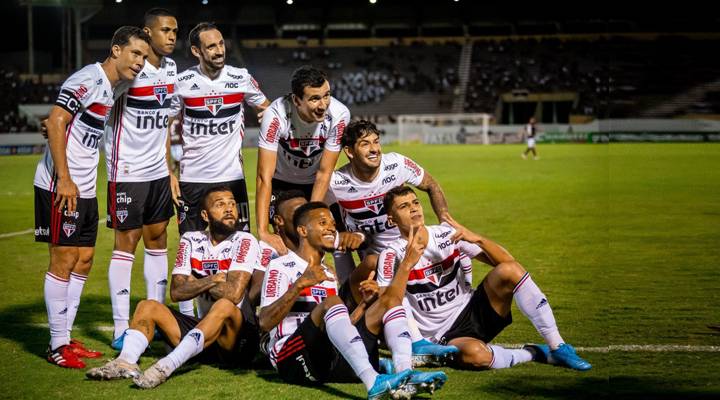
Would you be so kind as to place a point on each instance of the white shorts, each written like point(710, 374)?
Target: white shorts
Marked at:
point(531, 142)
point(176, 151)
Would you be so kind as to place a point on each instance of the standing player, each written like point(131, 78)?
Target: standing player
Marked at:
point(299, 145)
point(139, 202)
point(213, 266)
point(450, 311)
point(210, 97)
point(530, 132)
point(68, 171)
point(312, 336)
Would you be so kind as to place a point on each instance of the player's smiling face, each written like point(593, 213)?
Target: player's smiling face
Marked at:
point(314, 104)
point(212, 50)
point(220, 212)
point(407, 212)
point(163, 34)
point(320, 229)
point(367, 151)
point(131, 58)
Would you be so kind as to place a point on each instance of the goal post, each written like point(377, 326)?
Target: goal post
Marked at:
point(444, 128)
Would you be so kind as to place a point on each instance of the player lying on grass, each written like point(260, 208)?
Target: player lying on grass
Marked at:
point(312, 337)
point(448, 310)
point(214, 268)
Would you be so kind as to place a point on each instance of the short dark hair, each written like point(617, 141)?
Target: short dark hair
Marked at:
point(282, 196)
point(153, 13)
point(356, 130)
point(300, 215)
point(194, 36)
point(306, 76)
point(211, 190)
point(393, 193)
point(123, 34)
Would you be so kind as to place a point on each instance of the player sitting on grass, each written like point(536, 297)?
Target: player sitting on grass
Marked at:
point(312, 337)
point(449, 310)
point(212, 267)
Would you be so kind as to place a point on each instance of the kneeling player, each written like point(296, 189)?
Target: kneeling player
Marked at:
point(312, 338)
point(450, 311)
point(213, 267)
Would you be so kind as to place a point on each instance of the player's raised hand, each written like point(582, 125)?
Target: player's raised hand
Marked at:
point(67, 194)
point(415, 247)
point(461, 232)
point(369, 289)
point(350, 240)
point(314, 273)
point(275, 241)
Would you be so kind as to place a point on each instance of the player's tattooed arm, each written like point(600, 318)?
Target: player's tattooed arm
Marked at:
point(437, 197)
point(233, 288)
point(186, 287)
point(271, 315)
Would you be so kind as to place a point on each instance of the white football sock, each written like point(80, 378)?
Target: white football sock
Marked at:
point(506, 358)
point(74, 291)
point(155, 272)
point(346, 339)
point(119, 274)
point(187, 307)
point(415, 334)
point(533, 303)
point(190, 346)
point(397, 338)
point(55, 293)
point(134, 345)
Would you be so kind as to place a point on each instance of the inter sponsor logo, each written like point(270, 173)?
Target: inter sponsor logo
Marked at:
point(242, 251)
point(212, 128)
point(377, 225)
point(430, 301)
point(156, 121)
point(271, 286)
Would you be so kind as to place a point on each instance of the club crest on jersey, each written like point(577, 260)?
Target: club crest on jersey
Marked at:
point(374, 204)
point(69, 228)
point(213, 104)
point(121, 215)
point(160, 93)
point(433, 273)
point(210, 266)
point(318, 293)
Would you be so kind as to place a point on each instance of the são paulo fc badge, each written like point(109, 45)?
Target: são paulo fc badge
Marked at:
point(160, 93)
point(69, 228)
point(121, 215)
point(213, 104)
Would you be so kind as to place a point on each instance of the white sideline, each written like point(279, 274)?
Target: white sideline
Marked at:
point(631, 348)
point(18, 233)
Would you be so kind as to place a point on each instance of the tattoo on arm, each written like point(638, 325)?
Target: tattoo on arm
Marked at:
point(186, 287)
point(233, 288)
point(437, 197)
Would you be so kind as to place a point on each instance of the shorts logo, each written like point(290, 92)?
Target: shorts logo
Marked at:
point(40, 231)
point(214, 104)
point(181, 217)
point(160, 93)
point(73, 214)
point(374, 204)
point(69, 228)
point(121, 215)
point(318, 293)
point(123, 198)
point(433, 273)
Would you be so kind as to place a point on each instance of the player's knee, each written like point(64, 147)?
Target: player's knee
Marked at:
point(329, 302)
point(63, 261)
point(509, 272)
point(147, 307)
point(222, 308)
point(476, 355)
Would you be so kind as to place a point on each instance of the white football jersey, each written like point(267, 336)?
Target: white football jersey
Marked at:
point(88, 96)
point(301, 144)
point(135, 148)
point(281, 274)
point(267, 253)
point(213, 122)
point(437, 288)
point(362, 202)
point(198, 257)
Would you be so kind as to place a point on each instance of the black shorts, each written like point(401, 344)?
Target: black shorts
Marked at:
point(283, 186)
point(477, 320)
point(78, 229)
point(317, 360)
point(242, 354)
point(188, 213)
point(130, 205)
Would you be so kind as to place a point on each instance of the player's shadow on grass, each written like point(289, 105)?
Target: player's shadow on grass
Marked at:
point(566, 387)
point(26, 324)
point(272, 377)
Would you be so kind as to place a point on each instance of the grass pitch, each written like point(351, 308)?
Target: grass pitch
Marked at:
point(622, 238)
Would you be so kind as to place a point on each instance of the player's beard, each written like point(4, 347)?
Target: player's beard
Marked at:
point(218, 227)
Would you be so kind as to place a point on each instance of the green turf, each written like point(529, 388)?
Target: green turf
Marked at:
point(622, 238)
